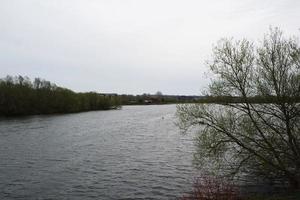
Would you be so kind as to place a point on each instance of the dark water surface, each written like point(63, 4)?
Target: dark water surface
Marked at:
point(133, 153)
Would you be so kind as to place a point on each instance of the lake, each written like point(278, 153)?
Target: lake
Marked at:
point(133, 153)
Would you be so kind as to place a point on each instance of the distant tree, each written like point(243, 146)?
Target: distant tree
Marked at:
point(158, 93)
point(37, 83)
point(251, 138)
point(9, 80)
point(20, 80)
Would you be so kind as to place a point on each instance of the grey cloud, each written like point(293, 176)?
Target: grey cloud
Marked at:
point(129, 46)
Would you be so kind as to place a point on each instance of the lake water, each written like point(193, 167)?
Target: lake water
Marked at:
point(133, 153)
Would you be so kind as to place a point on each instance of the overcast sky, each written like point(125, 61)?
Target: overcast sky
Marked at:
point(130, 46)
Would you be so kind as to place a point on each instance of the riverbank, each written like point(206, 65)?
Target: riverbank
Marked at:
point(213, 188)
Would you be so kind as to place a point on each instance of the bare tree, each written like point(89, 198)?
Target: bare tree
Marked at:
point(256, 138)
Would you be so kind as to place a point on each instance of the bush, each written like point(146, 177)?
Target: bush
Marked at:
point(209, 188)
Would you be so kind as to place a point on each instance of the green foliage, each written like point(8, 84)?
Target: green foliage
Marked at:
point(20, 96)
point(256, 128)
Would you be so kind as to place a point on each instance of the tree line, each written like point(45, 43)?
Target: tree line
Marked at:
point(21, 96)
point(258, 99)
point(158, 98)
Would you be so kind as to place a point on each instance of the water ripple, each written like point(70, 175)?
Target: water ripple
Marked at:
point(133, 153)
